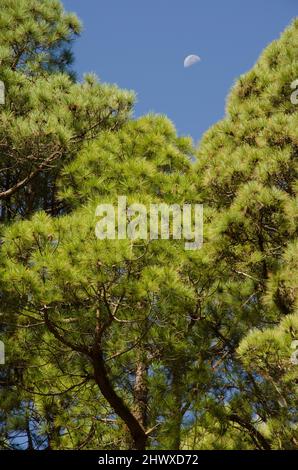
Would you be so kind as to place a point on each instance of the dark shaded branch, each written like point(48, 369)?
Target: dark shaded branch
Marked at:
point(137, 431)
point(256, 436)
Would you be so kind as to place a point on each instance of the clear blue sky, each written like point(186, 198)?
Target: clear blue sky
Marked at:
point(141, 45)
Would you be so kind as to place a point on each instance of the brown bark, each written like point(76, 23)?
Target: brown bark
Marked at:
point(9, 192)
point(257, 437)
point(136, 429)
point(141, 391)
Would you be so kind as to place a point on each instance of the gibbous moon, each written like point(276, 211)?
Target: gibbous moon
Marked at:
point(191, 60)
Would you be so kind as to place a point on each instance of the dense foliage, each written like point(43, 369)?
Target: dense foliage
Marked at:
point(116, 344)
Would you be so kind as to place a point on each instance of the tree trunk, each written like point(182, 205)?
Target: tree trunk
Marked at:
point(136, 429)
point(141, 390)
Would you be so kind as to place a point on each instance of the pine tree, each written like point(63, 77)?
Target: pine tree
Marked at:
point(47, 116)
point(98, 301)
point(136, 343)
point(247, 171)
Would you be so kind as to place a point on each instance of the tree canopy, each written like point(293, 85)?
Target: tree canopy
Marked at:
point(138, 343)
